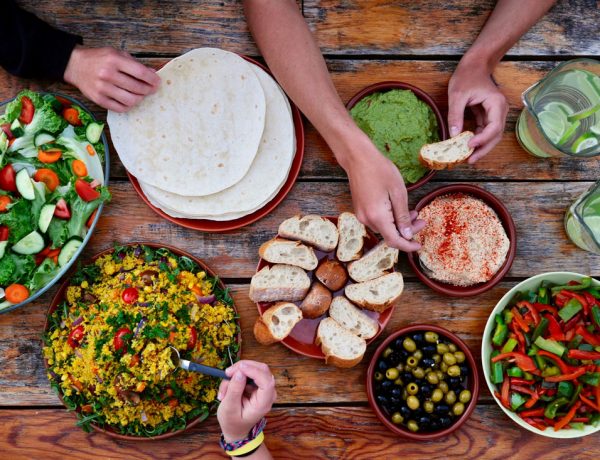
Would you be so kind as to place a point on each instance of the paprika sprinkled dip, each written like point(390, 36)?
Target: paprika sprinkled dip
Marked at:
point(464, 242)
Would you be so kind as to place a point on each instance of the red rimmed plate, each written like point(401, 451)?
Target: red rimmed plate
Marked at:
point(302, 338)
point(213, 226)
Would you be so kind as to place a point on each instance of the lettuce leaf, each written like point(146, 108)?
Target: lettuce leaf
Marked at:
point(19, 220)
point(44, 273)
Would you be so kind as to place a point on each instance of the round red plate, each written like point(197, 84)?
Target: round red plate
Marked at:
point(302, 338)
point(206, 225)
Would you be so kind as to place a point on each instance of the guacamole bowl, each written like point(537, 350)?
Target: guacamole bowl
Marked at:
point(421, 95)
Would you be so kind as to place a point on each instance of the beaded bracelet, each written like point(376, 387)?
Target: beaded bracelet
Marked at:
point(253, 434)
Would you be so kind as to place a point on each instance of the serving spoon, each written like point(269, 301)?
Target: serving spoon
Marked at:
point(201, 368)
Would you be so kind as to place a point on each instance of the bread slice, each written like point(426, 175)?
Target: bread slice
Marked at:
point(352, 237)
point(378, 294)
point(281, 251)
point(276, 323)
point(316, 302)
point(279, 282)
point(314, 230)
point(332, 274)
point(448, 153)
point(353, 318)
point(374, 264)
point(341, 347)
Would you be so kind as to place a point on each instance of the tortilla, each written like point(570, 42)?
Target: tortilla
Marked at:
point(263, 181)
point(200, 132)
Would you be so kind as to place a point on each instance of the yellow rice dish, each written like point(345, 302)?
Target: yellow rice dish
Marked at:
point(107, 344)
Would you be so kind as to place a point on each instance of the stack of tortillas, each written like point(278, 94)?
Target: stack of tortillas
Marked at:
point(216, 141)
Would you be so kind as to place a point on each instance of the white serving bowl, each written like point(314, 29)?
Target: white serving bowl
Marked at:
point(486, 350)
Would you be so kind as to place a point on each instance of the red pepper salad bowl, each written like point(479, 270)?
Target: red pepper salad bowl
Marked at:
point(545, 385)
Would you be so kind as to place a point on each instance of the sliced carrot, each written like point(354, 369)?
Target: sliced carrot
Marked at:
point(87, 408)
point(91, 219)
point(173, 402)
point(79, 168)
point(91, 150)
point(172, 336)
point(48, 177)
point(170, 392)
point(4, 202)
point(49, 156)
point(16, 293)
point(11, 141)
point(72, 116)
point(196, 290)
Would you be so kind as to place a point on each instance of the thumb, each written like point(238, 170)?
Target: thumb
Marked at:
point(235, 390)
point(456, 112)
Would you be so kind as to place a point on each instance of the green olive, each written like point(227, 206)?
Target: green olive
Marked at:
point(409, 344)
point(392, 373)
point(444, 367)
point(400, 367)
point(412, 426)
point(378, 376)
point(454, 371)
point(397, 418)
point(443, 386)
point(411, 362)
point(412, 388)
point(398, 382)
point(404, 394)
point(418, 372)
point(460, 356)
point(440, 375)
point(418, 354)
point(452, 347)
point(433, 378)
point(437, 395)
point(428, 406)
point(464, 396)
point(436, 358)
point(431, 337)
point(387, 352)
point(458, 408)
point(450, 398)
point(442, 348)
point(449, 359)
point(412, 402)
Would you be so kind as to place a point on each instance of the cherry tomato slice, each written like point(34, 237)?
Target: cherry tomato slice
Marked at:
point(3, 233)
point(6, 128)
point(130, 295)
point(27, 110)
point(193, 339)
point(8, 179)
point(75, 337)
point(85, 191)
point(62, 209)
point(120, 338)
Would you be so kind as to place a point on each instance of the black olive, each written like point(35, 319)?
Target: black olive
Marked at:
point(383, 402)
point(404, 411)
point(453, 382)
point(442, 409)
point(427, 362)
point(424, 421)
point(429, 350)
point(395, 403)
point(419, 338)
point(445, 422)
point(387, 386)
point(382, 366)
point(464, 370)
point(434, 425)
point(395, 358)
point(426, 389)
point(407, 377)
point(397, 392)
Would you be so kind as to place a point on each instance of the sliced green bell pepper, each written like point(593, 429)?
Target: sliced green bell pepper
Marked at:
point(585, 283)
point(540, 329)
point(551, 346)
point(497, 371)
point(509, 345)
point(571, 308)
point(514, 372)
point(501, 331)
point(565, 389)
point(516, 401)
point(553, 407)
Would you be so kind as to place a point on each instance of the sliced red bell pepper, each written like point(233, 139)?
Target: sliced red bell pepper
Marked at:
point(561, 298)
point(597, 390)
point(590, 299)
point(534, 313)
point(581, 419)
point(505, 393)
point(567, 418)
point(570, 335)
point(520, 320)
point(535, 424)
point(572, 376)
point(556, 333)
point(588, 337)
point(564, 367)
point(523, 361)
point(532, 401)
point(580, 299)
point(592, 404)
point(533, 412)
point(520, 389)
point(542, 307)
point(519, 381)
point(572, 322)
point(583, 354)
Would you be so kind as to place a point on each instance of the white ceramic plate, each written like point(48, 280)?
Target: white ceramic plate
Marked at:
point(486, 350)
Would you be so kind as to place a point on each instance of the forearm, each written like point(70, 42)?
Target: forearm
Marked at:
point(507, 23)
point(294, 58)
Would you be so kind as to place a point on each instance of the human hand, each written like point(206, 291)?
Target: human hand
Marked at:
point(472, 86)
point(379, 196)
point(112, 79)
point(240, 410)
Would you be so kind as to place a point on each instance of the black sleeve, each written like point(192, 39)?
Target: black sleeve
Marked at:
point(31, 48)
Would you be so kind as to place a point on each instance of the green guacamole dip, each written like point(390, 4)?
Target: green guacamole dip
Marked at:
point(399, 124)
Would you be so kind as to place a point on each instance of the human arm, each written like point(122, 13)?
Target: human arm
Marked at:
point(378, 192)
point(241, 409)
point(472, 84)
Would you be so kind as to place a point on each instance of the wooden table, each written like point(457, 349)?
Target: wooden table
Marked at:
point(321, 412)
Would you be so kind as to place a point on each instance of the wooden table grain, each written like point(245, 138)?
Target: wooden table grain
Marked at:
point(321, 411)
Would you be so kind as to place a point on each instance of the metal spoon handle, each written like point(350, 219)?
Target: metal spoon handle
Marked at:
point(207, 370)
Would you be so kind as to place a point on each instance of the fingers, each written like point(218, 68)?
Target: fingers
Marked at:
point(110, 104)
point(232, 398)
point(222, 389)
point(133, 85)
point(457, 102)
point(418, 225)
point(259, 372)
point(388, 230)
point(495, 108)
point(130, 66)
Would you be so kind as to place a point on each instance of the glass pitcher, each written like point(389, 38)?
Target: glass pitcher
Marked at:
point(582, 220)
point(562, 112)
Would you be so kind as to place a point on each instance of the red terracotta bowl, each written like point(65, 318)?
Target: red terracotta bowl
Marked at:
point(388, 85)
point(472, 383)
point(509, 228)
point(59, 297)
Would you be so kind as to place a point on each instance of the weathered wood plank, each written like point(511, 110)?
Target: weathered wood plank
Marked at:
point(292, 433)
point(413, 28)
point(507, 161)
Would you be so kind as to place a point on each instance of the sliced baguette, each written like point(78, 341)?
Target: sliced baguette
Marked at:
point(353, 318)
point(341, 347)
point(316, 302)
point(314, 230)
point(448, 153)
point(374, 264)
point(352, 237)
point(279, 282)
point(378, 294)
point(276, 323)
point(281, 251)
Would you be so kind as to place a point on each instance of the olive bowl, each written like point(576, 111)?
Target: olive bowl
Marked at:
point(472, 383)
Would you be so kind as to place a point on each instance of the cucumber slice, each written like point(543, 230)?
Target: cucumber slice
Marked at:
point(16, 124)
point(25, 185)
point(16, 128)
point(46, 215)
point(3, 245)
point(69, 250)
point(93, 132)
point(29, 244)
point(584, 113)
point(43, 138)
point(3, 142)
